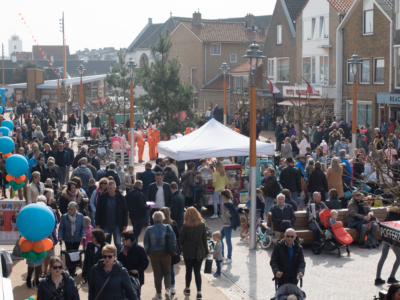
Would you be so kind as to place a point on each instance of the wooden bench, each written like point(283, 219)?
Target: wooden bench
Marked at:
point(302, 229)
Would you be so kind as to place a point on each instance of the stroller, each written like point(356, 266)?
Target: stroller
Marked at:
point(283, 292)
point(69, 262)
point(340, 237)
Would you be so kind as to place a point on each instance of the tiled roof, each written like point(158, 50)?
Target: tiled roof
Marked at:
point(341, 6)
point(55, 51)
point(294, 8)
point(386, 5)
point(219, 31)
point(217, 84)
point(244, 68)
point(260, 21)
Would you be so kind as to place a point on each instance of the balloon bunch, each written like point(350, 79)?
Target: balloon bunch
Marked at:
point(35, 223)
point(16, 182)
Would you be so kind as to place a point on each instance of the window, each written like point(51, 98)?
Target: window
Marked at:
point(240, 84)
point(368, 22)
point(271, 68)
point(324, 70)
point(307, 30)
point(194, 77)
point(143, 60)
point(216, 49)
point(233, 58)
point(279, 34)
point(309, 69)
point(364, 72)
point(379, 70)
point(283, 69)
point(397, 67)
point(364, 113)
point(313, 28)
point(323, 28)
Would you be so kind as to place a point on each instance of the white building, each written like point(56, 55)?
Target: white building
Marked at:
point(14, 44)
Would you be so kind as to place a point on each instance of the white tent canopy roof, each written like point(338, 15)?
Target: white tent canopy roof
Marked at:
point(212, 140)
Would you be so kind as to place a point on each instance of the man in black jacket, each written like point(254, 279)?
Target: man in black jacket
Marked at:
point(287, 259)
point(95, 159)
point(39, 167)
point(290, 179)
point(111, 172)
point(282, 214)
point(49, 138)
point(97, 121)
point(62, 160)
point(112, 213)
point(79, 156)
point(177, 205)
point(159, 167)
point(136, 202)
point(281, 137)
point(147, 177)
point(160, 193)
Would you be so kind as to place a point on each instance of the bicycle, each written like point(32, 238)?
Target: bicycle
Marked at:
point(263, 234)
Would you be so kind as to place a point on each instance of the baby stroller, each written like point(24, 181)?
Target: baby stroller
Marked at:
point(73, 258)
point(340, 237)
point(288, 289)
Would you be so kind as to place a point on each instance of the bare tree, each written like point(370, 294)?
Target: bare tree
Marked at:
point(110, 107)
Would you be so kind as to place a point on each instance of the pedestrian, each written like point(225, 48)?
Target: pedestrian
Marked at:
point(177, 205)
point(199, 193)
point(93, 252)
point(156, 249)
point(270, 189)
point(317, 182)
point(147, 177)
point(130, 180)
point(113, 173)
point(35, 188)
point(334, 176)
point(94, 198)
point(286, 148)
point(72, 230)
point(313, 219)
point(159, 192)
point(193, 241)
point(112, 213)
point(69, 194)
point(137, 207)
point(188, 184)
point(290, 178)
point(70, 160)
point(220, 180)
point(109, 279)
point(287, 259)
point(57, 283)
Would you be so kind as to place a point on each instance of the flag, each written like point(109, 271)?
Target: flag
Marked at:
point(272, 87)
point(310, 90)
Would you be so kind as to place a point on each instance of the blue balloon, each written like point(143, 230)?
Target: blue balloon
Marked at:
point(37, 260)
point(4, 131)
point(8, 124)
point(35, 222)
point(16, 165)
point(1, 110)
point(6, 144)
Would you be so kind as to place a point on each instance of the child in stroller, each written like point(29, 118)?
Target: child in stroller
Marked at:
point(335, 236)
point(289, 291)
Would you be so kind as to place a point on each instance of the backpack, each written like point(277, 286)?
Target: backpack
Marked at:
point(235, 218)
point(276, 189)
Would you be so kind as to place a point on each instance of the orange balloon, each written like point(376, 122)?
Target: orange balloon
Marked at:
point(21, 240)
point(9, 178)
point(7, 155)
point(26, 246)
point(48, 244)
point(23, 177)
point(18, 180)
point(38, 246)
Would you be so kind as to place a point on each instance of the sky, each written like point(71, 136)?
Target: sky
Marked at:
point(98, 24)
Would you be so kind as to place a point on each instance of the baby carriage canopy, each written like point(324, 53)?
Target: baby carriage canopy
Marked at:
point(289, 289)
point(324, 216)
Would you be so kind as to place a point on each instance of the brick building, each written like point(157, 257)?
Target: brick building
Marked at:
point(366, 30)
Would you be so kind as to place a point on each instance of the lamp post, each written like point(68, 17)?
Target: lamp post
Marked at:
point(224, 69)
point(254, 55)
point(354, 63)
point(81, 70)
point(132, 65)
point(58, 88)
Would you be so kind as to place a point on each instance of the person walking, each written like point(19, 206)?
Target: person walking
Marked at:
point(109, 279)
point(159, 192)
point(93, 252)
point(72, 230)
point(334, 175)
point(193, 241)
point(94, 198)
point(70, 194)
point(147, 177)
point(137, 207)
point(112, 213)
point(317, 181)
point(270, 189)
point(188, 184)
point(177, 205)
point(57, 283)
point(35, 188)
point(290, 178)
point(219, 182)
point(155, 245)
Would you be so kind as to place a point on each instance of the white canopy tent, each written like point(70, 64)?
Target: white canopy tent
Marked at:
point(212, 140)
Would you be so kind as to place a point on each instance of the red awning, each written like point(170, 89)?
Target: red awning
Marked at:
point(103, 100)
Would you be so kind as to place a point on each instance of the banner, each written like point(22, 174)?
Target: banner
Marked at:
point(390, 233)
point(9, 210)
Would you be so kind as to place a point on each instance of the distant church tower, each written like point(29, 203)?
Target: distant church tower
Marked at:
point(14, 44)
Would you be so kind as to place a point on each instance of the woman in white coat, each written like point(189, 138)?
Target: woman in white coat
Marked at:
point(35, 189)
point(305, 142)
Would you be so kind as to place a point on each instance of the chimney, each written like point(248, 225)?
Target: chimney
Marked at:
point(150, 21)
point(250, 20)
point(196, 18)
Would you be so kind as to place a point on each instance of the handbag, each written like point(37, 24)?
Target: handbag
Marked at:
point(17, 249)
point(170, 244)
point(102, 288)
point(208, 266)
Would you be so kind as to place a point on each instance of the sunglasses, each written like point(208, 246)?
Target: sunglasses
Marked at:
point(107, 256)
point(104, 183)
point(290, 236)
point(57, 267)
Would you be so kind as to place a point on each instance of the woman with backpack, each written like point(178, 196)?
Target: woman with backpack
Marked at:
point(193, 241)
point(270, 189)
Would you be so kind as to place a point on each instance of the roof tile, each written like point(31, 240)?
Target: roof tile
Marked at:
point(217, 84)
point(341, 6)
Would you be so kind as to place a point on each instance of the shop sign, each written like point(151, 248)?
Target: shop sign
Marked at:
point(388, 98)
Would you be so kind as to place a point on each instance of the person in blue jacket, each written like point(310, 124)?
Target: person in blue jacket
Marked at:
point(342, 156)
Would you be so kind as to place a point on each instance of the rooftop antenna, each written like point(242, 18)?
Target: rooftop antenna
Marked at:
point(170, 14)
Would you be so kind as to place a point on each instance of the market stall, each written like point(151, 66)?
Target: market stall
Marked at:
point(212, 140)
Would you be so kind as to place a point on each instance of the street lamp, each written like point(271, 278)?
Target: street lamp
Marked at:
point(355, 62)
point(224, 69)
point(254, 55)
point(81, 70)
point(58, 87)
point(132, 65)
